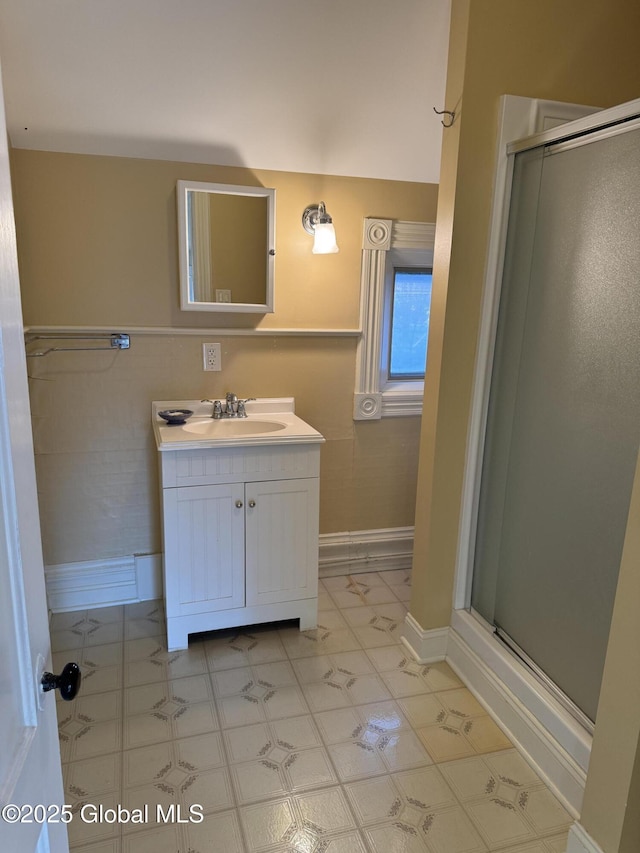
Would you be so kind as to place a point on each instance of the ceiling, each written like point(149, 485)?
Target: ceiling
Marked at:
point(341, 87)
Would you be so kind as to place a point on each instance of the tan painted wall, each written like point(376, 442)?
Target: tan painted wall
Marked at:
point(431, 596)
point(579, 51)
point(97, 241)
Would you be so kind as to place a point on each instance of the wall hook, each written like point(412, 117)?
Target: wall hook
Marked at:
point(450, 113)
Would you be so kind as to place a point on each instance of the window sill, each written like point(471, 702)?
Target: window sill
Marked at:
point(402, 403)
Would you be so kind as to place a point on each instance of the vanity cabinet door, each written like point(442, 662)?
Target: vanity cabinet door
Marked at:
point(281, 540)
point(204, 548)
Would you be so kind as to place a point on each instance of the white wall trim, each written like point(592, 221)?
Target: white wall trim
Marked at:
point(149, 577)
point(122, 580)
point(381, 236)
point(101, 583)
point(365, 551)
point(580, 841)
point(94, 583)
point(519, 681)
point(171, 331)
point(557, 746)
point(398, 404)
point(513, 700)
point(424, 646)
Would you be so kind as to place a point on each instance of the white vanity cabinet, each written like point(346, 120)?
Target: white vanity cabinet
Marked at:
point(240, 529)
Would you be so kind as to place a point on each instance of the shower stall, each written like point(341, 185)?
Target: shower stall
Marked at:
point(558, 420)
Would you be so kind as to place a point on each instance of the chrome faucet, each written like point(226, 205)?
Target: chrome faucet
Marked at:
point(233, 408)
point(231, 401)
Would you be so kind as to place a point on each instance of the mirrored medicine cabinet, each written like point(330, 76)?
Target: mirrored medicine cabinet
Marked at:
point(227, 247)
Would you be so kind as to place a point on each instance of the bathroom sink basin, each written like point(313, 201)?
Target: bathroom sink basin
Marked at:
point(232, 427)
point(270, 421)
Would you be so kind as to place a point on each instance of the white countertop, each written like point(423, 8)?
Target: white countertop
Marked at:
point(276, 410)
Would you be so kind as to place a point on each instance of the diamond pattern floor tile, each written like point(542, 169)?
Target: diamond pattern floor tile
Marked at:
point(326, 741)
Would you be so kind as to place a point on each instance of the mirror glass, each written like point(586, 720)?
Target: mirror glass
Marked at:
point(226, 238)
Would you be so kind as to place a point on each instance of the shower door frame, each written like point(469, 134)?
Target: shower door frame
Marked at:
point(557, 743)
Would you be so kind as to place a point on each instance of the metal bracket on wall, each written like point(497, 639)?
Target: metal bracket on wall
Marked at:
point(450, 113)
point(116, 341)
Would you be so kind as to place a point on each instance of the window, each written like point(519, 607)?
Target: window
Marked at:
point(409, 323)
point(395, 304)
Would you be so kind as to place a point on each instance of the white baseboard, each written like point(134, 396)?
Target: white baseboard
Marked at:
point(101, 583)
point(580, 841)
point(488, 682)
point(551, 758)
point(149, 577)
point(424, 646)
point(358, 551)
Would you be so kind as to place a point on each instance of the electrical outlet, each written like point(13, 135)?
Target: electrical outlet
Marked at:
point(211, 357)
point(223, 295)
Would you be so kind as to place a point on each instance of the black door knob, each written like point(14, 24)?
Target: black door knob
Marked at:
point(68, 682)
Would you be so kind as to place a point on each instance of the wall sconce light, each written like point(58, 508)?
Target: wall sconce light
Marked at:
point(316, 221)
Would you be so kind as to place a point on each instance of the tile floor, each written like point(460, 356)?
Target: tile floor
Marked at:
point(327, 741)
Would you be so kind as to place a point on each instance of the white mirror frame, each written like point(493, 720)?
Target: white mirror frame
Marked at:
point(189, 304)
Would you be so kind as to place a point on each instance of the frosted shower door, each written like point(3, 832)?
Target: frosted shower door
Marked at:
point(564, 412)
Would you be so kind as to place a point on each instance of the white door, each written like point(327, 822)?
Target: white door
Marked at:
point(30, 773)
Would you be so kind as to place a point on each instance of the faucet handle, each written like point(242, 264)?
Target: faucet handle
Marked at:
point(217, 410)
point(241, 409)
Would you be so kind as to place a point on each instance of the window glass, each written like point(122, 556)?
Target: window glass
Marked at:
point(410, 308)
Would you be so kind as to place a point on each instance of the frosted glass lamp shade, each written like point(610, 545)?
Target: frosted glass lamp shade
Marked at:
point(324, 242)
point(316, 221)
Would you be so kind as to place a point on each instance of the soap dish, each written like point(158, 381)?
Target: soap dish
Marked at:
point(175, 417)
